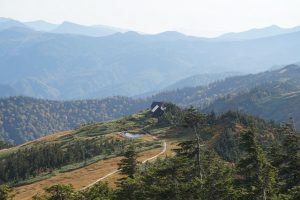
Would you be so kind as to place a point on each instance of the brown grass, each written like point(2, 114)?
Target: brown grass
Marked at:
point(40, 140)
point(47, 138)
point(79, 178)
point(82, 177)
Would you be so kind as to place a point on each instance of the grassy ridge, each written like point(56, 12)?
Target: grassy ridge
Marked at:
point(104, 135)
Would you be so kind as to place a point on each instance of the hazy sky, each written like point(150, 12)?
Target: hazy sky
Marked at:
point(198, 17)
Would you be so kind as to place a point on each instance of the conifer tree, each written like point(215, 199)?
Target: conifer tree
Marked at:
point(128, 165)
point(256, 174)
point(128, 168)
point(60, 192)
point(290, 162)
point(99, 191)
point(194, 120)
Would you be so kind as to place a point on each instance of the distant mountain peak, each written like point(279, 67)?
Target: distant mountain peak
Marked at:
point(127, 35)
point(131, 33)
point(69, 23)
point(274, 26)
point(40, 21)
point(6, 23)
point(41, 25)
point(291, 67)
point(4, 19)
point(171, 33)
point(94, 31)
point(255, 33)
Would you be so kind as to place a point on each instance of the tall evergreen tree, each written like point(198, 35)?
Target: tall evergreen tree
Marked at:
point(256, 175)
point(194, 120)
point(289, 167)
point(128, 165)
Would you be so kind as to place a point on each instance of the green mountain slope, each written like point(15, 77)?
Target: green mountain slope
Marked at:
point(203, 95)
point(23, 118)
point(76, 148)
point(95, 141)
point(277, 102)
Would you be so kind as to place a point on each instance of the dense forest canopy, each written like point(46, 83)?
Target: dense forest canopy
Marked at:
point(23, 118)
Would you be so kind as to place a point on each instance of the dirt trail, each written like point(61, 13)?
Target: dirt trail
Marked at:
point(116, 171)
point(79, 178)
point(86, 176)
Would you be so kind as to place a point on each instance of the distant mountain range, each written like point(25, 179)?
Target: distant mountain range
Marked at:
point(101, 30)
point(69, 61)
point(259, 33)
point(64, 28)
point(94, 31)
point(74, 66)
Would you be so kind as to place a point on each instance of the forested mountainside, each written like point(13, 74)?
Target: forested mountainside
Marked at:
point(200, 80)
point(203, 95)
point(277, 101)
point(23, 118)
point(63, 66)
point(231, 156)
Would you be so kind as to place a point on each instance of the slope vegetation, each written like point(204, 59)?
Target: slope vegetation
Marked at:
point(221, 133)
point(23, 118)
point(278, 102)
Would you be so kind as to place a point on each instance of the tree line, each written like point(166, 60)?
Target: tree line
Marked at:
point(32, 161)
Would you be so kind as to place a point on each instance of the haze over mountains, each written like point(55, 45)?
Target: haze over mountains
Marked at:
point(63, 28)
point(259, 33)
point(76, 66)
point(273, 95)
point(41, 25)
point(70, 61)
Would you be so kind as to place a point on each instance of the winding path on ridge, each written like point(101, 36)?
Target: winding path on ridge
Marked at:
point(116, 171)
point(82, 178)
